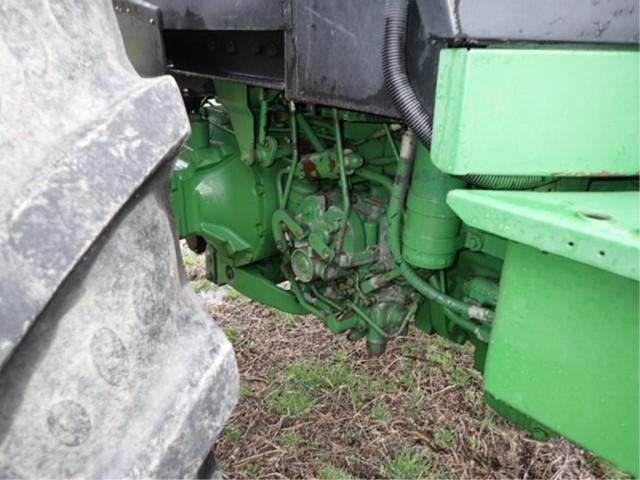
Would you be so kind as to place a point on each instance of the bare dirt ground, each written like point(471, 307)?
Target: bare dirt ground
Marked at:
point(314, 405)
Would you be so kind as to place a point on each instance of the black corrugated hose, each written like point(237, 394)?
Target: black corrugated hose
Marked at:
point(409, 106)
point(395, 71)
point(507, 182)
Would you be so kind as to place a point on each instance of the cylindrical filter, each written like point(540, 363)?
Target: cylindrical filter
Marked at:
point(430, 234)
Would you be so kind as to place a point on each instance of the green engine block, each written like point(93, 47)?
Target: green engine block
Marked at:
point(319, 223)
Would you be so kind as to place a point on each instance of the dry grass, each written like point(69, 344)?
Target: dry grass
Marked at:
point(315, 405)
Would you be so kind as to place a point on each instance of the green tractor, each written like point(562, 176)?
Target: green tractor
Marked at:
point(467, 169)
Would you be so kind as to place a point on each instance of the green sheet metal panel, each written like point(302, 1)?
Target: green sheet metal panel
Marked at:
point(564, 350)
point(538, 111)
point(601, 229)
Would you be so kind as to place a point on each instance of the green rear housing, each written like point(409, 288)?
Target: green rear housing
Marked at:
point(518, 232)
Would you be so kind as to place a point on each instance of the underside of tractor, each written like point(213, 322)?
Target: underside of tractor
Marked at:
point(464, 168)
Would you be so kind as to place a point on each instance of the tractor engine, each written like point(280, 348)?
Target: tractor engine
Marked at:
point(317, 216)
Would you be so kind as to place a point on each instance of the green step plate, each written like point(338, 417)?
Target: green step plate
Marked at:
point(601, 229)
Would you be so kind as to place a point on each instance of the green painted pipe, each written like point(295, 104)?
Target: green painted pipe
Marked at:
point(382, 161)
point(377, 177)
point(295, 288)
point(482, 332)
point(392, 143)
point(294, 157)
point(326, 300)
point(317, 144)
point(344, 184)
point(443, 299)
point(331, 321)
point(368, 320)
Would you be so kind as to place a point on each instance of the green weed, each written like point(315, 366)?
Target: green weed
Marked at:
point(407, 379)
point(202, 285)
point(232, 294)
point(437, 355)
point(472, 395)
point(380, 413)
point(292, 441)
point(439, 471)
point(411, 349)
point(304, 381)
point(246, 391)
point(233, 333)
point(350, 436)
point(444, 436)
point(461, 377)
point(232, 433)
point(381, 385)
point(488, 423)
point(289, 319)
point(290, 403)
point(417, 400)
point(317, 376)
point(190, 258)
point(407, 464)
point(252, 470)
point(334, 473)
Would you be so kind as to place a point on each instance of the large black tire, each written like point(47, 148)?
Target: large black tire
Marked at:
point(109, 367)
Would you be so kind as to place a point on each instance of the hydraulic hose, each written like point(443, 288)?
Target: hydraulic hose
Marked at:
point(433, 294)
point(395, 72)
point(377, 177)
point(482, 331)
